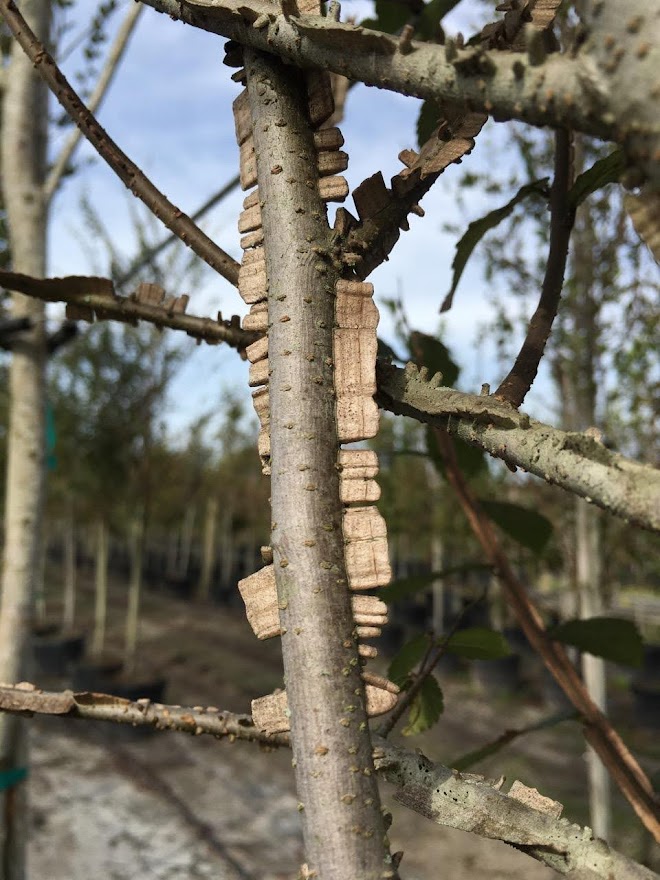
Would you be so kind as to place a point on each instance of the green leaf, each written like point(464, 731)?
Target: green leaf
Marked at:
point(528, 527)
point(426, 708)
point(409, 586)
point(408, 657)
point(431, 16)
point(478, 228)
point(429, 352)
point(602, 172)
point(611, 638)
point(478, 643)
point(471, 459)
point(386, 351)
point(427, 121)
point(390, 16)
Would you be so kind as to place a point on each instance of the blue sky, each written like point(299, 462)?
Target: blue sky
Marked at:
point(170, 109)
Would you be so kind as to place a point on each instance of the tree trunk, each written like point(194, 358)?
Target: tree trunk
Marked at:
point(588, 564)
point(24, 138)
point(339, 802)
point(134, 589)
point(100, 588)
point(208, 550)
point(580, 404)
point(187, 528)
point(69, 609)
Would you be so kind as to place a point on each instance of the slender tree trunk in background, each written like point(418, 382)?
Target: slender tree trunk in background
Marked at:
point(187, 528)
point(208, 549)
point(172, 552)
point(438, 587)
point(226, 548)
point(40, 577)
point(580, 406)
point(24, 139)
point(588, 564)
point(134, 589)
point(69, 607)
point(101, 588)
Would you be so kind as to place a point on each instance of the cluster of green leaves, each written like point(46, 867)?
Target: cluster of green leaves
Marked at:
point(474, 643)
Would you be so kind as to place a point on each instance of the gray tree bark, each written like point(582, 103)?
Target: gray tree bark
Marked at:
point(24, 140)
point(339, 801)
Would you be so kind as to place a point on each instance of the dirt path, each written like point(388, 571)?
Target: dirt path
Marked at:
point(171, 805)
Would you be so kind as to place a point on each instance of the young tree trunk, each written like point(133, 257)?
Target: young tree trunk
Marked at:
point(208, 549)
point(339, 801)
point(134, 589)
point(100, 588)
point(588, 564)
point(580, 406)
point(69, 608)
point(227, 548)
point(24, 134)
point(187, 528)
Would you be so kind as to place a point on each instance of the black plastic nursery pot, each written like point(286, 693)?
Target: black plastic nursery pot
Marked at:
point(500, 676)
point(646, 703)
point(97, 676)
point(56, 653)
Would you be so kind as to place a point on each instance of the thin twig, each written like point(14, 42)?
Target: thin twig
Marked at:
point(598, 730)
point(102, 85)
point(127, 171)
point(25, 699)
point(469, 759)
point(562, 216)
point(434, 654)
point(97, 296)
point(144, 259)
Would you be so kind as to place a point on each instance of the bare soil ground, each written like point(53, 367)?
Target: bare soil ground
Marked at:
point(112, 804)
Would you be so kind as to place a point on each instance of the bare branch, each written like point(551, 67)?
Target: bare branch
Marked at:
point(457, 800)
point(367, 245)
point(324, 688)
point(574, 461)
point(107, 74)
point(584, 91)
point(89, 297)
point(127, 171)
point(471, 803)
point(515, 386)
point(598, 729)
point(25, 699)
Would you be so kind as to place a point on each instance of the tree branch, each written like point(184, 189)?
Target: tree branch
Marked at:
point(469, 802)
point(572, 460)
point(89, 298)
point(370, 243)
point(25, 699)
point(584, 91)
point(464, 800)
point(598, 730)
point(127, 171)
point(515, 386)
point(104, 80)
